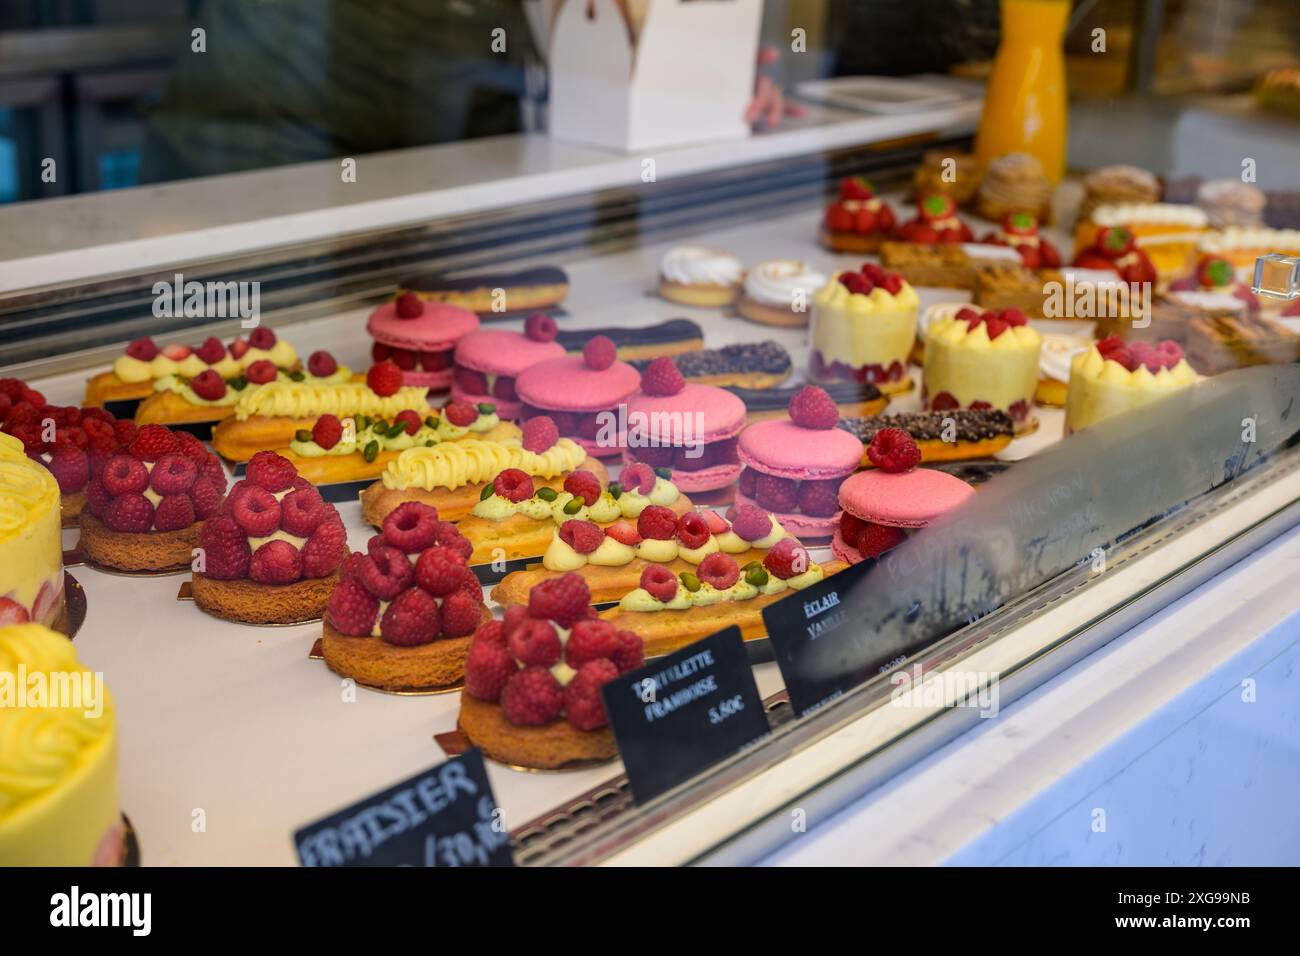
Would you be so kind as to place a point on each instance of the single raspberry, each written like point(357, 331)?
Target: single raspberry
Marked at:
point(856, 283)
point(566, 423)
point(321, 364)
point(379, 351)
point(211, 351)
point(412, 618)
point(411, 527)
point(385, 572)
point(692, 530)
point(124, 475)
point(143, 349)
point(152, 442)
point(583, 707)
point(540, 327)
point(893, 450)
point(657, 522)
point(639, 478)
point(659, 581)
point(239, 348)
point(470, 586)
point(352, 609)
point(599, 353)
point(438, 570)
point(850, 528)
point(261, 372)
point(174, 513)
point(515, 615)
point(540, 434)
point(513, 485)
point(787, 558)
point(812, 407)
point(273, 472)
point(719, 570)
point(748, 481)
point(208, 385)
point(408, 305)
point(662, 377)
point(875, 539)
point(436, 360)
point(97, 497)
point(488, 666)
point(624, 532)
point(410, 418)
point(449, 536)
point(532, 697)
point(206, 498)
point(384, 378)
point(405, 359)
point(460, 414)
point(191, 447)
point(262, 338)
point(71, 436)
point(631, 651)
point(490, 632)
point(125, 430)
point(301, 512)
point(257, 512)
point(225, 549)
point(819, 498)
point(776, 493)
point(461, 614)
point(173, 475)
point(563, 600)
point(589, 641)
point(211, 469)
point(504, 389)
point(324, 550)
point(131, 513)
point(535, 643)
point(582, 536)
point(70, 468)
point(715, 522)
point(470, 381)
point(583, 484)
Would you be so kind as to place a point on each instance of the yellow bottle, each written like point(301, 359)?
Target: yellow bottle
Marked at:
point(1024, 107)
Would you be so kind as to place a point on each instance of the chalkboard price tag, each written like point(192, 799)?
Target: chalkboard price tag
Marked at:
point(445, 816)
point(683, 713)
point(819, 641)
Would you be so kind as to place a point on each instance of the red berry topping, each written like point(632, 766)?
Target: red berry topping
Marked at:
point(410, 418)
point(583, 707)
point(855, 187)
point(302, 511)
point(748, 482)
point(352, 609)
point(70, 468)
point(384, 378)
point(261, 372)
point(257, 512)
point(893, 449)
point(751, 523)
point(262, 338)
point(875, 539)
point(449, 536)
point(532, 697)
point(692, 530)
point(327, 431)
point(487, 667)
point(583, 484)
point(461, 414)
point(131, 513)
point(540, 327)
point(631, 651)
point(719, 570)
point(143, 349)
point(819, 498)
point(153, 442)
point(412, 618)
point(540, 434)
point(563, 600)
point(513, 485)
point(659, 582)
point(411, 527)
point(582, 536)
point(494, 632)
point(211, 351)
point(325, 549)
point(514, 616)
point(776, 493)
point(461, 614)
point(226, 553)
point(535, 642)
point(599, 353)
point(470, 381)
point(206, 495)
point(173, 475)
point(321, 364)
point(439, 571)
point(405, 359)
point(589, 641)
point(856, 283)
point(177, 352)
point(624, 532)
point(408, 306)
point(662, 377)
point(275, 562)
point(787, 559)
point(639, 478)
point(657, 522)
point(239, 348)
point(850, 526)
point(812, 407)
point(124, 475)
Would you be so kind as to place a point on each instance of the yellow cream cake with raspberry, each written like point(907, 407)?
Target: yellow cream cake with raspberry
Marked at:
point(979, 359)
point(58, 755)
point(1113, 377)
point(863, 329)
point(31, 549)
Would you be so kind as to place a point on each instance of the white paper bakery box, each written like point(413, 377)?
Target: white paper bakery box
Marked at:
point(686, 78)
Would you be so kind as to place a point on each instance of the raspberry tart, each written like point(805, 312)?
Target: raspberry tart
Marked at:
point(1020, 232)
point(1114, 249)
point(271, 554)
point(936, 221)
point(863, 329)
point(420, 338)
point(1114, 377)
point(400, 616)
point(145, 507)
point(488, 362)
point(532, 682)
point(857, 220)
point(979, 359)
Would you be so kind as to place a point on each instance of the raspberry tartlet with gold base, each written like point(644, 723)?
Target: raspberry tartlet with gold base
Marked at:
point(532, 682)
point(401, 615)
point(977, 359)
point(1113, 378)
point(857, 221)
point(31, 555)
point(863, 329)
point(272, 553)
point(145, 508)
point(936, 221)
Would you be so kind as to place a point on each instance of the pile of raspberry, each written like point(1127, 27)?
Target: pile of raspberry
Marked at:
point(273, 498)
point(161, 481)
point(1131, 355)
point(869, 277)
point(510, 661)
point(83, 438)
point(811, 407)
point(413, 581)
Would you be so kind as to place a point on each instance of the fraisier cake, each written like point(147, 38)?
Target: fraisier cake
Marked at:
point(31, 555)
point(976, 359)
point(488, 362)
point(58, 764)
point(863, 328)
point(532, 682)
point(272, 553)
point(1113, 378)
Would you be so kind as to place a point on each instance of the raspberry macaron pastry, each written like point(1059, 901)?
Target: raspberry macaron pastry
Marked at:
point(582, 395)
point(271, 554)
point(401, 615)
point(687, 427)
point(488, 362)
point(532, 681)
point(886, 504)
point(794, 467)
point(146, 505)
point(420, 338)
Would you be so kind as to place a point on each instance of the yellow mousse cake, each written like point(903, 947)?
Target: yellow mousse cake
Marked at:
point(58, 755)
point(31, 548)
point(863, 329)
point(1112, 378)
point(978, 359)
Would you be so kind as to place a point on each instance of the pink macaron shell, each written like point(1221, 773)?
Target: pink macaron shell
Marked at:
point(706, 479)
point(906, 499)
point(802, 526)
point(722, 414)
point(568, 385)
point(843, 551)
point(595, 450)
point(502, 352)
point(505, 409)
point(436, 330)
point(782, 448)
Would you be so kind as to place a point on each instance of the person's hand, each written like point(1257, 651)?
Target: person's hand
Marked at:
point(769, 105)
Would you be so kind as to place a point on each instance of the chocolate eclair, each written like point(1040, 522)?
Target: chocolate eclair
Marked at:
point(493, 294)
point(648, 342)
point(853, 399)
point(751, 365)
point(955, 435)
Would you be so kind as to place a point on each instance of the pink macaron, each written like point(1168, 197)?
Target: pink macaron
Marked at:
point(905, 499)
point(488, 362)
point(420, 337)
point(793, 468)
point(582, 394)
